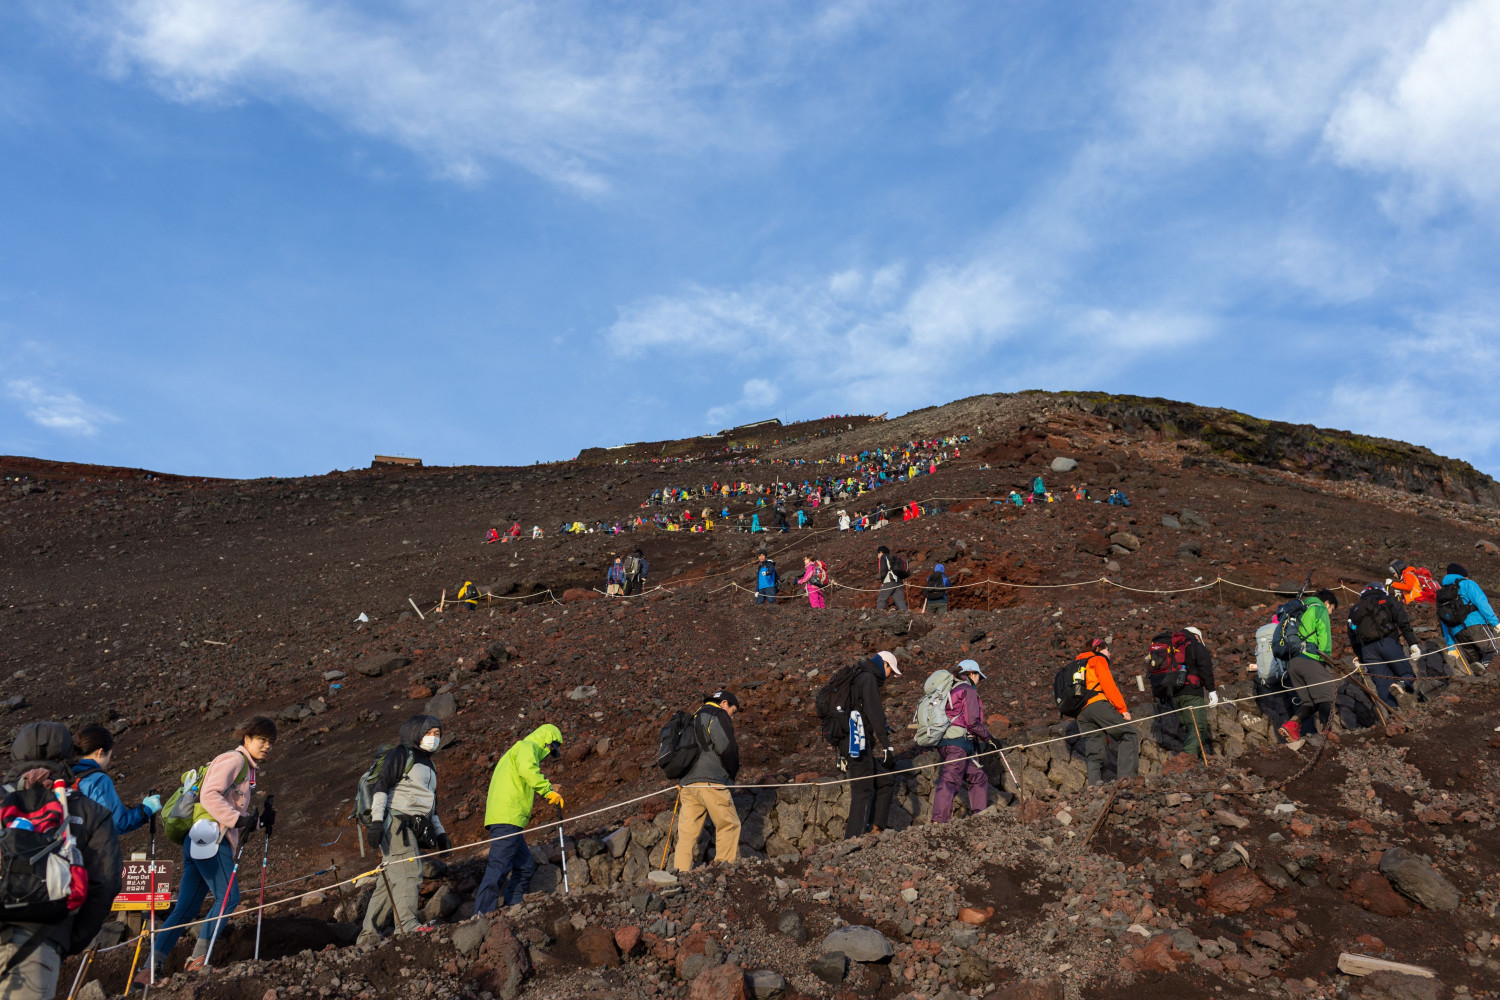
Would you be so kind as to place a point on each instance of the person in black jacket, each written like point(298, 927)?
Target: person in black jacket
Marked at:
point(31, 954)
point(891, 588)
point(702, 791)
point(1197, 696)
point(1378, 624)
point(868, 754)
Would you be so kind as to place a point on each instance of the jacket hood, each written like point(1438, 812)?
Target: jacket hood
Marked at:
point(39, 741)
point(543, 735)
point(413, 729)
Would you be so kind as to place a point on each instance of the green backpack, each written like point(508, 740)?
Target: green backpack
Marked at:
point(182, 809)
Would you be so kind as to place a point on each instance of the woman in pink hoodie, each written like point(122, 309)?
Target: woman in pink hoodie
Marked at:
point(957, 748)
point(809, 580)
point(224, 794)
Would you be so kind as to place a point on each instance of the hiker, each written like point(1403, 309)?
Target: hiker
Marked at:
point(93, 746)
point(1378, 624)
point(765, 580)
point(636, 568)
point(31, 953)
point(1116, 498)
point(516, 781)
point(1414, 584)
point(1038, 489)
point(701, 791)
point(936, 591)
point(892, 572)
point(843, 520)
point(1473, 620)
point(814, 578)
point(614, 579)
point(801, 519)
point(404, 820)
point(958, 746)
point(515, 530)
point(868, 755)
point(492, 536)
point(468, 595)
point(225, 794)
point(1104, 717)
point(1197, 694)
point(1307, 673)
point(536, 532)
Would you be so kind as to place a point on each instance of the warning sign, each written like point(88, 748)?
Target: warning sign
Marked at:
point(135, 891)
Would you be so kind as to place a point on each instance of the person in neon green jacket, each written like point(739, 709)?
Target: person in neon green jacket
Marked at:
point(514, 786)
point(1308, 672)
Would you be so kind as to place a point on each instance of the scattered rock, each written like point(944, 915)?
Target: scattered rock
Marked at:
point(468, 935)
point(1126, 541)
point(859, 943)
point(1061, 464)
point(617, 842)
point(1374, 893)
point(1236, 891)
point(767, 984)
point(503, 962)
point(597, 945)
point(972, 915)
point(830, 968)
point(1417, 880)
point(380, 663)
point(1396, 986)
point(627, 939)
point(790, 923)
point(442, 707)
point(1049, 988)
point(722, 982)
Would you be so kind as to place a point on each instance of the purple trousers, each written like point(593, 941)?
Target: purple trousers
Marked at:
point(957, 770)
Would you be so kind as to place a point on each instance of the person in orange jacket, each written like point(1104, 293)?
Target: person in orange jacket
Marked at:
point(1105, 716)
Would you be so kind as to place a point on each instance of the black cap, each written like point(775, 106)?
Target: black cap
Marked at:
point(719, 697)
point(1458, 568)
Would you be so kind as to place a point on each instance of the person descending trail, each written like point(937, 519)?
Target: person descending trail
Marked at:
point(892, 571)
point(614, 579)
point(966, 713)
point(1307, 669)
point(814, 578)
point(701, 791)
point(1104, 717)
point(33, 945)
point(636, 569)
point(936, 591)
point(224, 814)
point(403, 820)
point(865, 744)
point(1466, 616)
point(94, 745)
point(516, 781)
point(1378, 624)
point(1197, 693)
point(765, 579)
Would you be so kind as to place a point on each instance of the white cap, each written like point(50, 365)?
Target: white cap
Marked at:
point(1194, 629)
point(890, 661)
point(203, 839)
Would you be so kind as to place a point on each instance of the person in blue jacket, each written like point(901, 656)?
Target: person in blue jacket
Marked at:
point(765, 580)
point(1475, 638)
point(1116, 498)
point(93, 745)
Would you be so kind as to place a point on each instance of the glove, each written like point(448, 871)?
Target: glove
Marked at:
point(152, 804)
point(444, 842)
point(555, 798)
point(1415, 652)
point(267, 818)
point(377, 835)
point(1213, 698)
point(249, 821)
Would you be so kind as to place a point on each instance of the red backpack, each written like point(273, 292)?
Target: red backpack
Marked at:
point(820, 573)
point(42, 877)
point(1168, 659)
point(1427, 587)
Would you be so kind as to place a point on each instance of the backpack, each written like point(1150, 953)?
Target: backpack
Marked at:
point(1068, 689)
point(42, 877)
point(1270, 670)
point(1370, 618)
point(632, 565)
point(1452, 609)
point(937, 587)
point(364, 789)
point(682, 742)
point(832, 705)
point(1286, 641)
point(898, 566)
point(1168, 664)
point(932, 711)
point(820, 573)
point(1427, 587)
point(182, 810)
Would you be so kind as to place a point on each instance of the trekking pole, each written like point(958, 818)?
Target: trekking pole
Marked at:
point(218, 926)
point(563, 847)
point(1202, 751)
point(395, 913)
point(83, 965)
point(151, 913)
point(260, 909)
point(135, 958)
point(667, 843)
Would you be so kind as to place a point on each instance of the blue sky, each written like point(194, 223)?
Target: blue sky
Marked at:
point(273, 237)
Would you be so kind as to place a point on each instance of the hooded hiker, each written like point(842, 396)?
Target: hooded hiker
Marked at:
point(1307, 671)
point(892, 570)
point(516, 782)
point(959, 743)
point(701, 791)
point(94, 745)
point(1466, 616)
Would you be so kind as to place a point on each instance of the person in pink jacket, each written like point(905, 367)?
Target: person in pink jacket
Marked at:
point(814, 578)
point(225, 794)
point(966, 715)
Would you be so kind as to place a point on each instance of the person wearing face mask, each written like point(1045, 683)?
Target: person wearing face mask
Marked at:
point(403, 820)
point(93, 745)
point(516, 782)
point(966, 715)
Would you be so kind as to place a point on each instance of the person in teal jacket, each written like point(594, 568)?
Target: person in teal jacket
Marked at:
point(516, 782)
point(1475, 638)
point(1307, 672)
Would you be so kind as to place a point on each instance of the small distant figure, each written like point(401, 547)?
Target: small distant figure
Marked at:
point(614, 580)
point(536, 531)
point(1117, 499)
point(492, 536)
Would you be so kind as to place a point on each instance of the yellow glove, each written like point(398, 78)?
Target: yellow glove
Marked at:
point(555, 798)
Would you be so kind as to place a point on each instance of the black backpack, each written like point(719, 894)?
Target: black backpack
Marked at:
point(1452, 609)
point(832, 704)
point(632, 565)
point(42, 875)
point(1167, 660)
point(681, 744)
point(898, 566)
point(1286, 641)
point(1371, 618)
point(1068, 689)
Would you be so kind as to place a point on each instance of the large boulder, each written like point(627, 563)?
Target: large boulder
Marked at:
point(859, 943)
point(1415, 879)
point(597, 946)
point(1236, 891)
point(721, 982)
point(1061, 464)
point(503, 963)
point(442, 707)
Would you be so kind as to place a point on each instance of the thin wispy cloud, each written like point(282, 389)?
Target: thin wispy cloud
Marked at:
point(56, 409)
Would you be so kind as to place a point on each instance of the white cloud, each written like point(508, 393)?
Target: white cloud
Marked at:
point(756, 395)
point(57, 410)
point(1434, 115)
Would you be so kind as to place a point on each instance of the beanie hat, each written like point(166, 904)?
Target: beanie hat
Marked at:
point(1457, 568)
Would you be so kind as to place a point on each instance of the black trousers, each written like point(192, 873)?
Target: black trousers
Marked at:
point(877, 786)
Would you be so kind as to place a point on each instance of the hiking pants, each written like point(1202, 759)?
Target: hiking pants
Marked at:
point(633, 585)
point(403, 872)
point(891, 592)
point(509, 869)
point(1477, 643)
point(959, 768)
point(1192, 713)
point(715, 802)
point(765, 595)
point(1310, 681)
point(35, 976)
point(815, 597)
point(1386, 662)
point(936, 606)
point(1094, 726)
point(877, 789)
point(198, 880)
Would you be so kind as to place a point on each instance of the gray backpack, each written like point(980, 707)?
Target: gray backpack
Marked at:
point(932, 711)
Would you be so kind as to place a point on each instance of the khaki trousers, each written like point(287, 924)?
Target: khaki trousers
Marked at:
point(696, 801)
point(34, 977)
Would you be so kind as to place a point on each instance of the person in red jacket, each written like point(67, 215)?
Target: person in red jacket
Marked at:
point(1104, 717)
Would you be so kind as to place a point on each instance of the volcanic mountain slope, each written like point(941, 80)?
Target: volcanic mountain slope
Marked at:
point(169, 609)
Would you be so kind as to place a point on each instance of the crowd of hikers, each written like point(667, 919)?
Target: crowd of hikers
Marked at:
point(61, 816)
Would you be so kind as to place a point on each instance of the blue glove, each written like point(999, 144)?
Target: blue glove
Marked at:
point(152, 804)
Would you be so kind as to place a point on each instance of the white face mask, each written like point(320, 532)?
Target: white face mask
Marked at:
point(430, 742)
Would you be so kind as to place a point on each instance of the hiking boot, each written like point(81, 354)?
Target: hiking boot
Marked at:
point(197, 963)
point(1290, 730)
point(142, 977)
